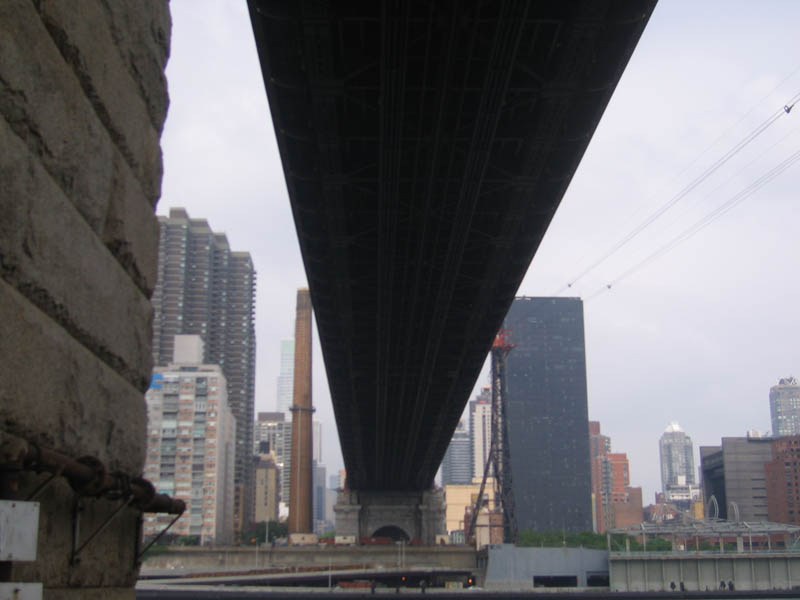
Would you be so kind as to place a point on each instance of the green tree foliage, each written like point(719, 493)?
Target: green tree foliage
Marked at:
point(277, 529)
point(265, 531)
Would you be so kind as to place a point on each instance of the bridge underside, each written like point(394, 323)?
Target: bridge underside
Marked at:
point(426, 146)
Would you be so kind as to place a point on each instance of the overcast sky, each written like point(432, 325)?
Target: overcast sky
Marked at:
point(697, 335)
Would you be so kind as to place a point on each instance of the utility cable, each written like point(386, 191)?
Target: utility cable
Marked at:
point(704, 222)
point(761, 128)
point(705, 150)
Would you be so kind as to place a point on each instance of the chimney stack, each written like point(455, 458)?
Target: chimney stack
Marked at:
point(301, 478)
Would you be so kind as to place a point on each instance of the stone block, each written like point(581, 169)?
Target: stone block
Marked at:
point(50, 254)
point(82, 33)
point(55, 392)
point(131, 229)
point(46, 107)
point(141, 30)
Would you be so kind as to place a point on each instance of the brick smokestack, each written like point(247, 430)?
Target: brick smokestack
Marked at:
point(301, 477)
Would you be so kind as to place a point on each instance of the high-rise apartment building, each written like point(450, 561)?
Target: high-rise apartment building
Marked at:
point(286, 377)
point(784, 407)
point(616, 503)
point(457, 462)
point(547, 420)
point(480, 431)
point(191, 435)
point(678, 481)
point(204, 288)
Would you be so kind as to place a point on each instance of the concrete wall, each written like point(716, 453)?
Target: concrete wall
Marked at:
point(511, 568)
point(82, 103)
point(388, 556)
point(700, 572)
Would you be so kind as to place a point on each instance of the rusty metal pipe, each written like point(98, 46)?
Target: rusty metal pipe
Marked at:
point(86, 475)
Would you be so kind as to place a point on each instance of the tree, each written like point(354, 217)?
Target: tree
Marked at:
point(277, 529)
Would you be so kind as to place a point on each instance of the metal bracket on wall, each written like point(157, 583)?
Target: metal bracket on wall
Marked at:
point(158, 537)
point(44, 485)
point(76, 522)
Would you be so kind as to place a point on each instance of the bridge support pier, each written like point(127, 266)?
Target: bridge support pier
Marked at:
point(399, 515)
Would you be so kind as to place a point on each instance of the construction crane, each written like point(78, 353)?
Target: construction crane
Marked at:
point(499, 459)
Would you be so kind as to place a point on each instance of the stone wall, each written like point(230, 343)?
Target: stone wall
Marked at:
point(83, 100)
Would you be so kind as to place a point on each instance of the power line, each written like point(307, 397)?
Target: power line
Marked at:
point(761, 128)
point(721, 136)
point(705, 221)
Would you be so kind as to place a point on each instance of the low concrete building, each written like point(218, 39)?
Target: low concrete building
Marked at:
point(514, 569)
point(666, 572)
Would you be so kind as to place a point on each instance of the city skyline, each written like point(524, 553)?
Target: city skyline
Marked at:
point(686, 338)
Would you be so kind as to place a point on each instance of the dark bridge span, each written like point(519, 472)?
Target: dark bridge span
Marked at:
point(426, 146)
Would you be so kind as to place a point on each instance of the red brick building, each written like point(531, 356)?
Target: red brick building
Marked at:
point(616, 504)
point(783, 481)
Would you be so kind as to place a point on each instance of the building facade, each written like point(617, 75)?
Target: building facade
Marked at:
point(678, 481)
point(275, 429)
point(546, 407)
point(784, 407)
point(480, 431)
point(191, 435)
point(267, 487)
point(783, 480)
point(285, 393)
point(616, 503)
point(457, 462)
point(734, 474)
point(204, 288)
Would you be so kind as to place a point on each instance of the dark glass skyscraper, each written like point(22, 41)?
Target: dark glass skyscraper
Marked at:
point(547, 415)
point(204, 288)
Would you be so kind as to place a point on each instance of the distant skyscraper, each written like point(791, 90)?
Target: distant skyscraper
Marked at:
point(480, 430)
point(204, 288)
point(457, 463)
point(286, 377)
point(677, 458)
point(190, 444)
point(276, 430)
point(316, 442)
point(546, 408)
point(784, 407)
point(320, 500)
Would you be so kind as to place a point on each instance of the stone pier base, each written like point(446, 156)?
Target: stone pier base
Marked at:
point(398, 515)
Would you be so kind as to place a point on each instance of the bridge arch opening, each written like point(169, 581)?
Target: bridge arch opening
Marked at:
point(392, 531)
